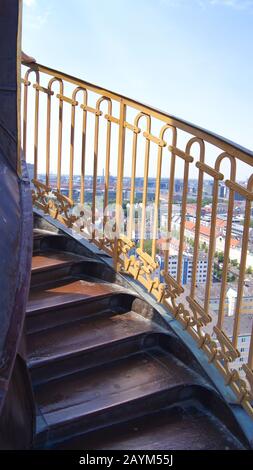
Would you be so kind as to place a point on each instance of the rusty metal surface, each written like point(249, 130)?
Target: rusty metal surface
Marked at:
point(69, 292)
point(46, 260)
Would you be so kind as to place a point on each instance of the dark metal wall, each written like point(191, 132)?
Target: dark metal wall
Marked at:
point(9, 10)
point(15, 221)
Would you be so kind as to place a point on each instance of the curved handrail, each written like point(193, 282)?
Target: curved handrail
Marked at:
point(225, 144)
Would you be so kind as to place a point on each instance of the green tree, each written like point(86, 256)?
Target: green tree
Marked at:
point(249, 270)
point(221, 257)
point(234, 262)
point(148, 246)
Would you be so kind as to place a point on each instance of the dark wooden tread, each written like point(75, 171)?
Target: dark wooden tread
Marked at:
point(187, 426)
point(48, 260)
point(39, 235)
point(68, 292)
point(59, 343)
point(140, 382)
point(51, 266)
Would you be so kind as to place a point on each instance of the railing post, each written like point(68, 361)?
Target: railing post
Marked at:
point(120, 174)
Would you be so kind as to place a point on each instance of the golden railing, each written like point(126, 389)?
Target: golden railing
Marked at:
point(134, 140)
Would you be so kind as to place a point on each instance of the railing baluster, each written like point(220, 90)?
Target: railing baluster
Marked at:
point(48, 138)
point(145, 186)
point(225, 266)
point(183, 214)
point(36, 130)
point(72, 144)
point(71, 158)
point(27, 83)
point(83, 148)
point(250, 356)
point(212, 241)
point(95, 167)
point(120, 171)
point(132, 191)
point(198, 217)
point(60, 124)
point(170, 199)
point(244, 252)
point(161, 144)
point(135, 129)
point(157, 200)
point(107, 163)
point(25, 103)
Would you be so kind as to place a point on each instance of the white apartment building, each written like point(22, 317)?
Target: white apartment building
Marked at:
point(187, 268)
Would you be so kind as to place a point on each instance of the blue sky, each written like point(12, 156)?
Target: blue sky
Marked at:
point(191, 58)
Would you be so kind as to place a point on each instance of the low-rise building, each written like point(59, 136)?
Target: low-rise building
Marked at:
point(187, 265)
point(246, 315)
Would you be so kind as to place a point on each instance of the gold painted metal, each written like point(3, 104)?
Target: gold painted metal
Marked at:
point(228, 238)
point(27, 83)
point(95, 111)
point(120, 171)
point(111, 118)
point(73, 103)
point(210, 171)
point(240, 190)
point(170, 195)
point(227, 146)
point(154, 139)
point(201, 145)
point(142, 269)
point(36, 130)
point(25, 98)
point(183, 214)
point(145, 181)
point(53, 203)
point(161, 143)
point(107, 162)
point(245, 242)
point(84, 131)
point(135, 261)
point(60, 126)
point(66, 99)
point(48, 136)
point(217, 177)
point(43, 89)
point(176, 151)
point(133, 128)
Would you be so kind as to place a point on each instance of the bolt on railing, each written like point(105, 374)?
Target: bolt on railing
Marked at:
point(99, 158)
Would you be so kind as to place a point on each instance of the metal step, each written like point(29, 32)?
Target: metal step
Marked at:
point(88, 400)
point(55, 265)
point(62, 350)
point(186, 426)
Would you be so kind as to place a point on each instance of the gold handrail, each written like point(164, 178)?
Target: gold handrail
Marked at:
point(223, 143)
point(171, 140)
